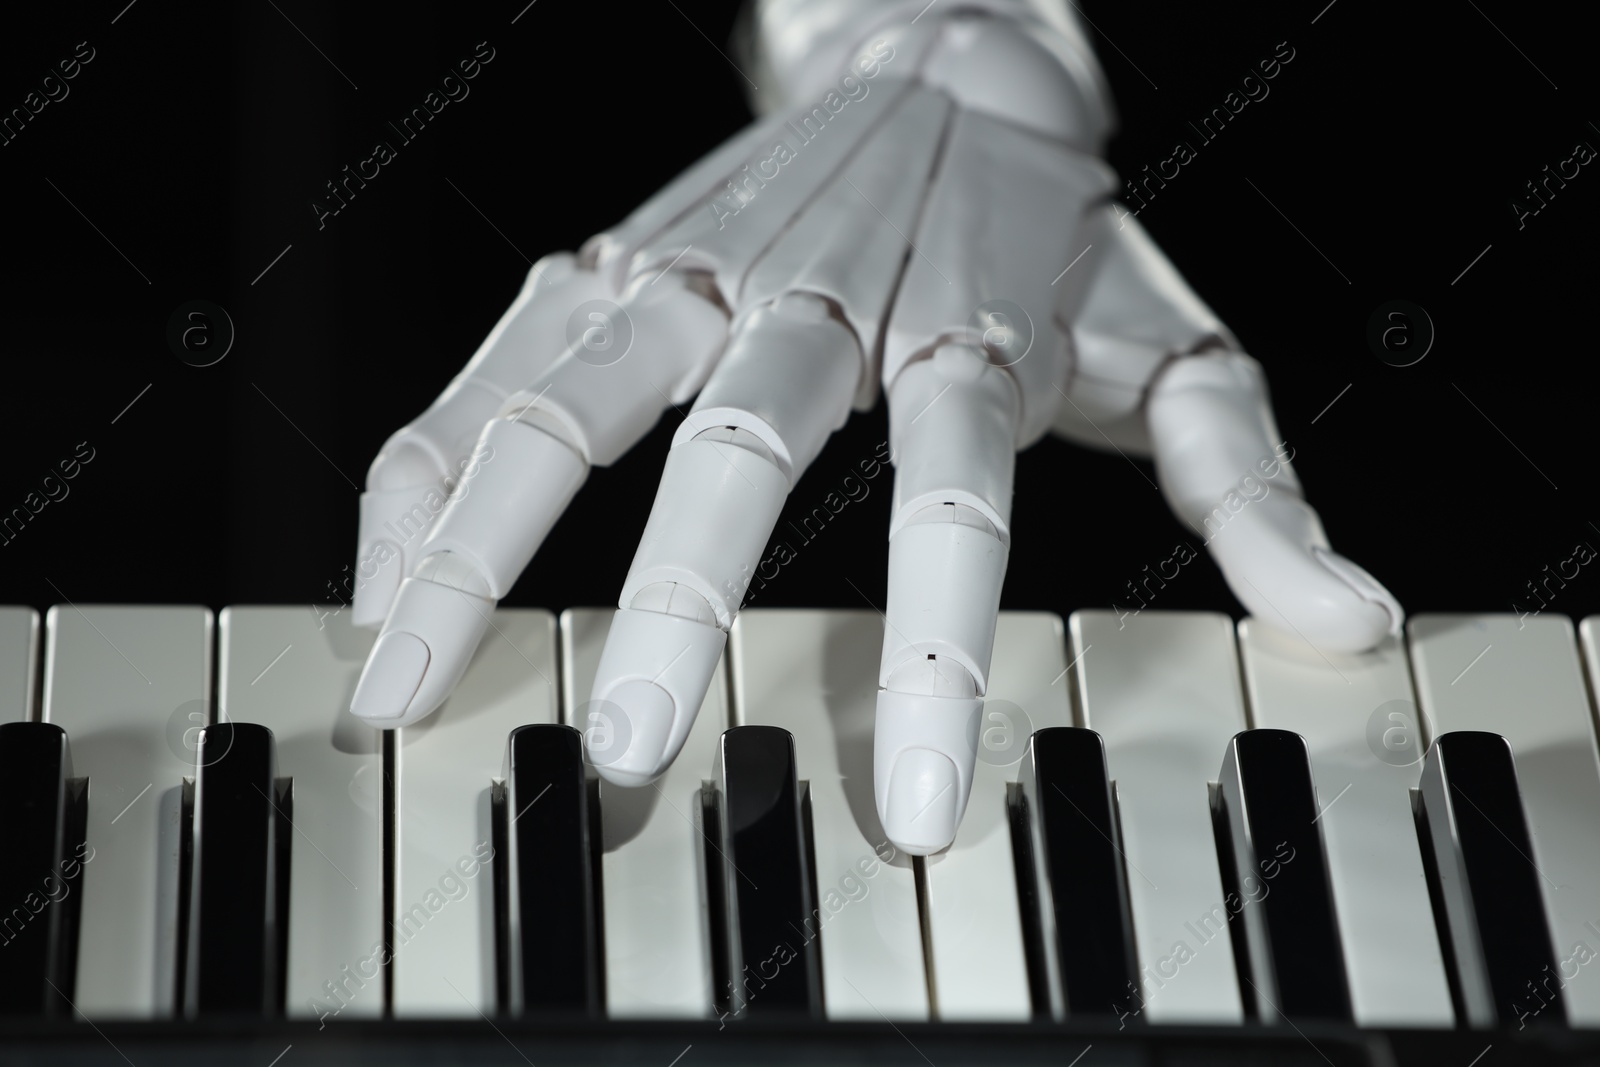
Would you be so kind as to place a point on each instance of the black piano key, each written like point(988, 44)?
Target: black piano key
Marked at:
point(551, 942)
point(1066, 842)
point(42, 809)
point(1479, 855)
point(237, 911)
point(767, 959)
point(1275, 873)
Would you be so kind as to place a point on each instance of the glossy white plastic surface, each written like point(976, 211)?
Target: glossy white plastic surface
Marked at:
point(650, 349)
point(1163, 691)
point(763, 201)
point(798, 46)
point(422, 462)
point(1365, 741)
point(997, 67)
point(132, 688)
point(924, 747)
point(952, 428)
point(1522, 679)
point(866, 215)
point(978, 255)
point(1138, 314)
point(944, 591)
point(649, 683)
point(292, 670)
point(953, 424)
point(612, 250)
point(499, 520)
point(714, 511)
point(785, 384)
point(421, 653)
point(788, 377)
point(1224, 469)
point(489, 532)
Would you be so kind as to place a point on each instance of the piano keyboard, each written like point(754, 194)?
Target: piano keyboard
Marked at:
point(1175, 821)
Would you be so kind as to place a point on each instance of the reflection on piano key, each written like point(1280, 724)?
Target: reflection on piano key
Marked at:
point(657, 941)
point(815, 674)
point(1366, 744)
point(760, 878)
point(1162, 689)
point(42, 808)
point(1521, 678)
point(550, 937)
point(1476, 835)
point(444, 937)
point(1266, 811)
point(976, 953)
point(1070, 856)
point(131, 686)
point(292, 670)
point(19, 660)
point(236, 908)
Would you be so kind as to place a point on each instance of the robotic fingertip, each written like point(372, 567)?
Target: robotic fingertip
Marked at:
point(385, 694)
point(923, 803)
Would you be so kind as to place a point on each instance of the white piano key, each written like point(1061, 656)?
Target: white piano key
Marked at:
point(129, 684)
point(19, 660)
point(1521, 678)
point(978, 961)
point(815, 674)
point(1163, 691)
point(293, 670)
point(444, 956)
point(1344, 706)
point(1589, 644)
point(657, 946)
point(1589, 647)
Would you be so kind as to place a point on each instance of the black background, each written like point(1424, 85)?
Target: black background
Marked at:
point(200, 132)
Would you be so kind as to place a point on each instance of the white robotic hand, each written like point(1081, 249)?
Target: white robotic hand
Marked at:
point(926, 211)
